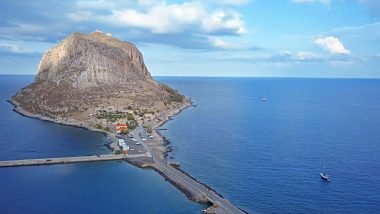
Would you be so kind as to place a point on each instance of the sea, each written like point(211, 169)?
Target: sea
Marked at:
point(263, 156)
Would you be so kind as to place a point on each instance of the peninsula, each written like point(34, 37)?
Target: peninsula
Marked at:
point(101, 83)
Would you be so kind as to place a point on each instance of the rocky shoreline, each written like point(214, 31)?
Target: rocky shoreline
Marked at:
point(139, 162)
point(22, 112)
point(100, 83)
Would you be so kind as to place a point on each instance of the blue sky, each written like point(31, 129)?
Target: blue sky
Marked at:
point(260, 38)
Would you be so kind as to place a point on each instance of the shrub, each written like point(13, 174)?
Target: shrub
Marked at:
point(148, 129)
point(130, 117)
point(124, 132)
point(132, 125)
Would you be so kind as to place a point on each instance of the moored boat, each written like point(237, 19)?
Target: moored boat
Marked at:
point(323, 174)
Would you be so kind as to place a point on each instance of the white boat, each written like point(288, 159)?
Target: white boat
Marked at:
point(323, 174)
point(264, 98)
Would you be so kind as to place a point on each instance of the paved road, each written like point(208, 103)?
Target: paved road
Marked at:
point(62, 160)
point(224, 205)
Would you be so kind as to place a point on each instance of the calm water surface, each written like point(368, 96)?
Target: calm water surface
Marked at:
point(265, 157)
point(108, 187)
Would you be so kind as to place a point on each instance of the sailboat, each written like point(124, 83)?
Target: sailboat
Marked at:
point(323, 174)
point(264, 98)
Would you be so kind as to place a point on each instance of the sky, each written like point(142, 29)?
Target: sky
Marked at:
point(243, 38)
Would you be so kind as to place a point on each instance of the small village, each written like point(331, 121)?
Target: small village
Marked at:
point(122, 122)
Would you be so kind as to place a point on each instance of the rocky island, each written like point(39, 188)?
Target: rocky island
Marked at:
point(101, 83)
point(85, 75)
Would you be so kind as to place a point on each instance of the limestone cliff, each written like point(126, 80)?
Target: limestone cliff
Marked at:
point(88, 72)
point(84, 61)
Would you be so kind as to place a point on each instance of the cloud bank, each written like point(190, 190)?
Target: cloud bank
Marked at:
point(202, 24)
point(311, 1)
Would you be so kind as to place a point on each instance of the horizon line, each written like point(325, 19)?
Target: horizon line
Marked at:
point(194, 76)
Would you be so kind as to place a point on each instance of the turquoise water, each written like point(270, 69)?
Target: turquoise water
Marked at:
point(265, 157)
point(109, 187)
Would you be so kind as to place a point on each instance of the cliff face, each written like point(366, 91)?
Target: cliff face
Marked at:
point(84, 61)
point(85, 72)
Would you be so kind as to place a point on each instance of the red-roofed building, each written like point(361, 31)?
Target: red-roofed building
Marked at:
point(120, 127)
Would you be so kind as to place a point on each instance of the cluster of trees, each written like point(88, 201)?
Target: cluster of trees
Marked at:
point(124, 132)
point(113, 116)
point(98, 126)
point(132, 124)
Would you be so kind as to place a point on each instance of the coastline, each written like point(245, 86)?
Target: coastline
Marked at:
point(17, 108)
point(161, 149)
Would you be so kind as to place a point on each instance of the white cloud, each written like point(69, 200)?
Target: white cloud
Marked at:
point(185, 24)
point(311, 1)
point(219, 43)
point(288, 56)
point(160, 18)
point(94, 4)
point(172, 18)
point(223, 21)
point(305, 55)
point(332, 44)
point(231, 2)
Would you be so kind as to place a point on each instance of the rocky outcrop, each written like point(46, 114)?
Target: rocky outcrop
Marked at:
point(84, 72)
point(84, 61)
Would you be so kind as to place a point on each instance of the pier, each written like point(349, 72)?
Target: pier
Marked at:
point(61, 160)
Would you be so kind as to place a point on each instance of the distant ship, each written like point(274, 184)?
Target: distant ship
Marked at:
point(323, 174)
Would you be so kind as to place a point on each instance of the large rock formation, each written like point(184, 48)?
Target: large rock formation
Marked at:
point(85, 61)
point(88, 72)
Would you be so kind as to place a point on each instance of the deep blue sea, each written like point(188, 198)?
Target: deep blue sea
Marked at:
point(108, 187)
point(264, 157)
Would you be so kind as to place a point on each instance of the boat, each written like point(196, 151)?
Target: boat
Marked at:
point(323, 174)
point(264, 98)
